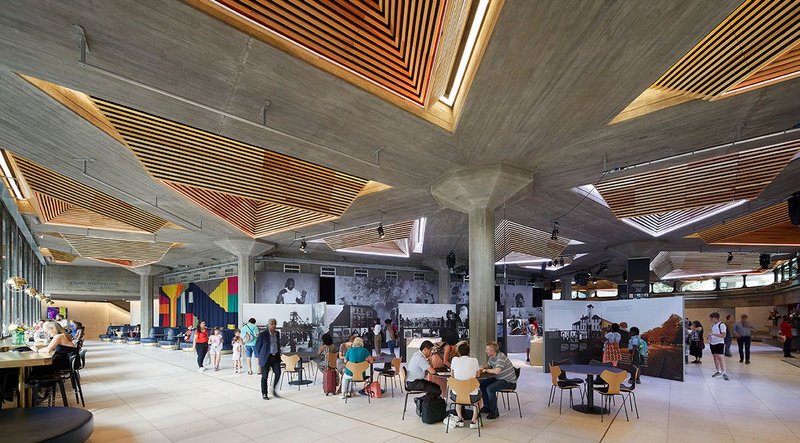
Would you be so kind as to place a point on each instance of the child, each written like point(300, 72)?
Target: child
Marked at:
point(633, 348)
point(237, 344)
point(215, 347)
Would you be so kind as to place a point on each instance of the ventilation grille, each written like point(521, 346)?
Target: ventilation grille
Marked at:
point(360, 273)
point(756, 33)
point(726, 178)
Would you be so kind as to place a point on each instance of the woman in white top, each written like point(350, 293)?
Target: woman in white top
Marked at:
point(465, 367)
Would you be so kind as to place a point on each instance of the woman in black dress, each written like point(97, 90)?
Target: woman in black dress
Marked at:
point(696, 343)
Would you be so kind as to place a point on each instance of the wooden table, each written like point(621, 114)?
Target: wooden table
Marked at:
point(23, 361)
point(590, 371)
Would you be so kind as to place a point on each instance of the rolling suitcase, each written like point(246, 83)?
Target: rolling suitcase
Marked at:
point(329, 381)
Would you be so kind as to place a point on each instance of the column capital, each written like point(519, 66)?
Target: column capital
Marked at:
point(479, 187)
point(150, 270)
point(437, 264)
point(248, 247)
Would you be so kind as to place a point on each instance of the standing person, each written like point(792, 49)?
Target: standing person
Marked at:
point(215, 347)
point(200, 344)
point(249, 337)
point(716, 341)
point(728, 334)
point(268, 350)
point(786, 333)
point(633, 348)
point(418, 367)
point(612, 353)
point(743, 331)
point(376, 330)
point(391, 336)
point(465, 367)
point(236, 344)
point(530, 330)
point(625, 335)
point(356, 354)
point(505, 377)
point(696, 343)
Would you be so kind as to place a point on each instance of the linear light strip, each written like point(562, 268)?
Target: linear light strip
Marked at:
point(474, 30)
point(9, 177)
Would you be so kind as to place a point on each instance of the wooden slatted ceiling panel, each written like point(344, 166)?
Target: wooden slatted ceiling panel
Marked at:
point(391, 43)
point(369, 236)
point(755, 34)
point(103, 248)
point(272, 218)
point(237, 211)
point(781, 68)
point(61, 256)
point(168, 150)
point(783, 234)
point(770, 216)
point(49, 207)
point(44, 181)
point(667, 220)
point(691, 263)
point(722, 179)
point(125, 263)
point(510, 237)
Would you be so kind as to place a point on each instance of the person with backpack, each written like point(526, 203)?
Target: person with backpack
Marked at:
point(728, 337)
point(249, 336)
point(637, 347)
point(716, 339)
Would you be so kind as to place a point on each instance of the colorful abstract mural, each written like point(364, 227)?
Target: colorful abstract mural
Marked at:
point(215, 301)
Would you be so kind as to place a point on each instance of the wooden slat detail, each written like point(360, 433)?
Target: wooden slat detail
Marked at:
point(763, 218)
point(125, 263)
point(169, 149)
point(47, 182)
point(510, 237)
point(754, 35)
point(667, 220)
point(273, 218)
point(703, 263)
point(784, 67)
point(369, 236)
point(737, 176)
point(782, 234)
point(49, 207)
point(103, 248)
point(61, 256)
point(391, 43)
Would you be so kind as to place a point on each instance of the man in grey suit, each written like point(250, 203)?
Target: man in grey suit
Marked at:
point(268, 350)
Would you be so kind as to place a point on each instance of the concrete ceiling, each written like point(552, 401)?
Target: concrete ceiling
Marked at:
point(551, 79)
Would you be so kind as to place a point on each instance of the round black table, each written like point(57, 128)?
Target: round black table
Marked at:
point(61, 425)
point(300, 380)
point(590, 371)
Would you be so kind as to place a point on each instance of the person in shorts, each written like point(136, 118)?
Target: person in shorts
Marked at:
point(249, 336)
point(465, 367)
point(716, 340)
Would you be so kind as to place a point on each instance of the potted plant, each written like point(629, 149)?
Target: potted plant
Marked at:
point(17, 331)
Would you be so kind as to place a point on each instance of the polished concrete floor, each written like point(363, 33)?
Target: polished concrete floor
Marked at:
point(151, 395)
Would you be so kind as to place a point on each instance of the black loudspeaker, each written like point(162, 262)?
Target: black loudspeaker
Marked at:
point(794, 209)
point(582, 279)
point(539, 295)
point(327, 290)
point(764, 260)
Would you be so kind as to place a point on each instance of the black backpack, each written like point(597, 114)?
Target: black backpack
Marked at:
point(432, 408)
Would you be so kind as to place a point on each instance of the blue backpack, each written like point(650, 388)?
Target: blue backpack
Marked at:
point(642, 348)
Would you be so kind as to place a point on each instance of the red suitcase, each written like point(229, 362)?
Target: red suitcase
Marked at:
point(329, 381)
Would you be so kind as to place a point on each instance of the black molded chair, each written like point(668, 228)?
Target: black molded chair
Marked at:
point(629, 389)
point(505, 395)
point(8, 385)
point(403, 380)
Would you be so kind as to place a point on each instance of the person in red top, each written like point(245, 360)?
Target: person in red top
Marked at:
point(786, 332)
point(200, 344)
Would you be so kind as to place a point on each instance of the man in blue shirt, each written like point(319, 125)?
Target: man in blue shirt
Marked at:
point(268, 350)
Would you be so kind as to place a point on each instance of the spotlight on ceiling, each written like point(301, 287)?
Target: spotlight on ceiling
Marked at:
point(381, 232)
point(594, 280)
point(554, 234)
point(561, 261)
point(764, 261)
point(603, 267)
point(451, 260)
point(303, 246)
point(543, 266)
point(549, 264)
point(730, 257)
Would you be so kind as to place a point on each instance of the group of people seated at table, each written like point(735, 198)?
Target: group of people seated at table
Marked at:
point(498, 374)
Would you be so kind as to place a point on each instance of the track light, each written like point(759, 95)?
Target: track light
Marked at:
point(730, 257)
point(764, 260)
point(603, 267)
point(554, 234)
point(549, 264)
point(381, 232)
point(543, 266)
point(303, 246)
point(561, 261)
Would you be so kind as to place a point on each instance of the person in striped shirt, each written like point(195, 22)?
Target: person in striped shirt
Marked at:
point(505, 377)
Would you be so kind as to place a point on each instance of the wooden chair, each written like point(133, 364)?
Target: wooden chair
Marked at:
point(564, 376)
point(331, 359)
point(462, 390)
point(505, 395)
point(629, 389)
point(358, 370)
point(562, 385)
point(392, 374)
point(614, 381)
point(292, 367)
point(403, 378)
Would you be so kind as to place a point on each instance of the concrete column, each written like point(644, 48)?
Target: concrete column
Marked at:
point(478, 191)
point(246, 249)
point(146, 295)
point(566, 287)
point(440, 266)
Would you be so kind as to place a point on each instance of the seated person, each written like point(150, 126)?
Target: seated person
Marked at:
point(356, 354)
point(505, 377)
point(187, 336)
point(441, 356)
point(60, 345)
point(465, 367)
point(418, 367)
point(324, 351)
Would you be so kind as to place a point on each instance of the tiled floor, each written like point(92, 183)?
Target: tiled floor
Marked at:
point(151, 395)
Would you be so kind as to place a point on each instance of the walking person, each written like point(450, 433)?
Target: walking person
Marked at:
point(200, 344)
point(236, 346)
point(696, 344)
point(743, 331)
point(376, 330)
point(612, 353)
point(716, 341)
point(634, 343)
point(249, 337)
point(728, 334)
point(215, 347)
point(268, 350)
point(786, 333)
point(505, 377)
point(530, 330)
point(391, 335)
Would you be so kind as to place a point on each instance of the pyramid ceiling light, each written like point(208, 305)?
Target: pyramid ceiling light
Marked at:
point(418, 54)
point(757, 45)
point(766, 227)
point(518, 244)
point(124, 252)
point(399, 240)
point(258, 191)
